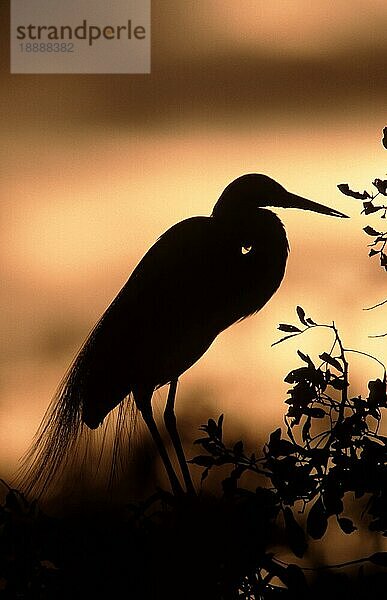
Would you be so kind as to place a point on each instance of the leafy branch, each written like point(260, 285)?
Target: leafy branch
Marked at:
point(332, 449)
point(369, 207)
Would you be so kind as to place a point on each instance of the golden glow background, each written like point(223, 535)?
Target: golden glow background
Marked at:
point(95, 167)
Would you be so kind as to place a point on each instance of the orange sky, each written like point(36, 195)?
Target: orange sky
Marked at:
point(94, 168)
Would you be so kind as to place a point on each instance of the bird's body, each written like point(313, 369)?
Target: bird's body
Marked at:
point(200, 277)
point(170, 319)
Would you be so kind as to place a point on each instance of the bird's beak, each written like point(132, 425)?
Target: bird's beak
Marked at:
point(294, 201)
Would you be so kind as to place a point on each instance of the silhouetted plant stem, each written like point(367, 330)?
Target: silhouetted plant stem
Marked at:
point(376, 306)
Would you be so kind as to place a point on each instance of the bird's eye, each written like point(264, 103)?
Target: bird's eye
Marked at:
point(246, 249)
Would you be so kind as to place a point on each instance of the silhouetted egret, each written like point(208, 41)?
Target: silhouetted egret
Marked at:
point(200, 277)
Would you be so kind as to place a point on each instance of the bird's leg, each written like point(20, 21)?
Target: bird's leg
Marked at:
point(147, 415)
point(171, 425)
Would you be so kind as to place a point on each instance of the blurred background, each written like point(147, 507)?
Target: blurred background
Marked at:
point(95, 167)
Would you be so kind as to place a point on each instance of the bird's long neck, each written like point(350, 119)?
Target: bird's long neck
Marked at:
point(254, 252)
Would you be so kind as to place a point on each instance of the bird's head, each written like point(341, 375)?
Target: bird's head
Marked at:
point(252, 191)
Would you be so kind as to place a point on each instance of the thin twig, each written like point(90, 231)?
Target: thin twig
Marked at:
point(376, 305)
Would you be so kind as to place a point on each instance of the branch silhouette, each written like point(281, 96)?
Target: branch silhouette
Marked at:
point(332, 450)
point(377, 247)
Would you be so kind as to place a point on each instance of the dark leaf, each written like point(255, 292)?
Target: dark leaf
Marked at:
point(306, 429)
point(372, 252)
point(220, 426)
point(310, 321)
point(369, 208)
point(346, 525)
point(379, 558)
point(377, 395)
point(275, 436)
point(288, 328)
point(316, 413)
point(317, 521)
point(202, 461)
point(300, 374)
point(209, 445)
point(296, 535)
point(301, 315)
point(344, 189)
point(238, 448)
point(371, 231)
point(223, 459)
point(381, 186)
point(331, 361)
point(211, 428)
point(338, 384)
point(283, 448)
point(306, 358)
point(384, 138)
point(201, 440)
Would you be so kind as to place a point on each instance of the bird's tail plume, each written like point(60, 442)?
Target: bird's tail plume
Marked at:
point(63, 442)
point(55, 441)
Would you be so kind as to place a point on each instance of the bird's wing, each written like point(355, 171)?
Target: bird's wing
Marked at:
point(166, 305)
point(160, 322)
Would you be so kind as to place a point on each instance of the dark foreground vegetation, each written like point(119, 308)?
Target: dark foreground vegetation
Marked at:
point(257, 537)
